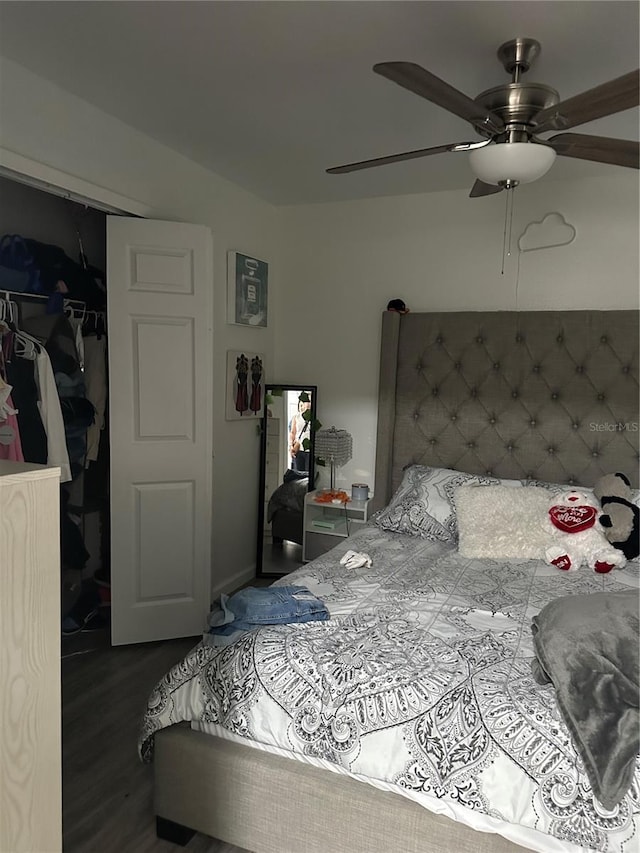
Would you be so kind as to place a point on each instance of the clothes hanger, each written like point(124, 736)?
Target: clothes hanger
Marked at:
point(74, 309)
point(7, 315)
point(24, 346)
point(14, 312)
point(101, 326)
point(94, 323)
point(6, 309)
point(90, 322)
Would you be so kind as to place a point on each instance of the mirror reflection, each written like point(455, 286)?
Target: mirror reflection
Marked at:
point(286, 475)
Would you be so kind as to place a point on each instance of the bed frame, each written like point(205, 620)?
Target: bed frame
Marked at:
point(287, 524)
point(545, 395)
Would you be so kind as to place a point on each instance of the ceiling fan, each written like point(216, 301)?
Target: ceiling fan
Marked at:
point(511, 116)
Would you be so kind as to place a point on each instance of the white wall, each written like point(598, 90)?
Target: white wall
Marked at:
point(438, 252)
point(333, 269)
point(44, 123)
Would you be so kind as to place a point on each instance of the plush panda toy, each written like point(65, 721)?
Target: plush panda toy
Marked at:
point(620, 517)
point(576, 537)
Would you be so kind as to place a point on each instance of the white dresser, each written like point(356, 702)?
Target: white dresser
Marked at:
point(30, 711)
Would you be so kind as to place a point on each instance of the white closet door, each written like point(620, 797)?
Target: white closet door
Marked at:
point(160, 282)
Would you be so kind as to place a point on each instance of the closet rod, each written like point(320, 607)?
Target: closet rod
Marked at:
point(73, 305)
point(12, 295)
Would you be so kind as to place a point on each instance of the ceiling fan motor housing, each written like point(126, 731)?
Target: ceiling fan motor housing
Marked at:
point(517, 104)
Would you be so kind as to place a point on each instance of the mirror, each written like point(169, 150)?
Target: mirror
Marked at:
point(287, 473)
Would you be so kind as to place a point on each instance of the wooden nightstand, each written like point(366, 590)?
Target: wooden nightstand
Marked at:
point(324, 524)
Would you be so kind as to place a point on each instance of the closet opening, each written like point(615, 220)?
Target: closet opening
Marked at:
point(54, 401)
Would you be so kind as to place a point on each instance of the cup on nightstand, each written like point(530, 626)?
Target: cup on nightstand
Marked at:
point(359, 492)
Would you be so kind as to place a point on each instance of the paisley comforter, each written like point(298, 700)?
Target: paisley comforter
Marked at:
point(420, 682)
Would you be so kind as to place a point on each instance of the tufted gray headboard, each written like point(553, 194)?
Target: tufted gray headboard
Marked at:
point(551, 395)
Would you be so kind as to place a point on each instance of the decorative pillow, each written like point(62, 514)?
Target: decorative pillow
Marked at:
point(558, 487)
point(502, 522)
point(424, 505)
point(290, 475)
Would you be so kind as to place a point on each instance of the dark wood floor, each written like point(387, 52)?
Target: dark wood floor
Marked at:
point(282, 558)
point(107, 791)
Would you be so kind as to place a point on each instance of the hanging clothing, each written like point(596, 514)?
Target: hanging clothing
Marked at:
point(10, 446)
point(58, 336)
point(51, 414)
point(33, 437)
point(95, 379)
point(73, 552)
point(5, 391)
point(76, 325)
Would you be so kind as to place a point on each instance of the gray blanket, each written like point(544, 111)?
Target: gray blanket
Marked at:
point(588, 647)
point(289, 496)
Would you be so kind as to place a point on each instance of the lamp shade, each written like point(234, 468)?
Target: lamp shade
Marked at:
point(333, 445)
point(515, 161)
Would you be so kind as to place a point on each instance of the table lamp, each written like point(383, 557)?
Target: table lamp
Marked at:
point(334, 446)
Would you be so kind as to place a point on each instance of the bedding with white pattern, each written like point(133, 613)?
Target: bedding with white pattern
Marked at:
point(420, 682)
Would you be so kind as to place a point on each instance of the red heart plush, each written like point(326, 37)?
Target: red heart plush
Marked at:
point(563, 563)
point(572, 519)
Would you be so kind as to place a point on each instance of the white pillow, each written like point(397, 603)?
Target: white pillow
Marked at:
point(424, 505)
point(502, 522)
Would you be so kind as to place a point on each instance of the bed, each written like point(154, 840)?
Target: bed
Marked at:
point(550, 397)
point(285, 509)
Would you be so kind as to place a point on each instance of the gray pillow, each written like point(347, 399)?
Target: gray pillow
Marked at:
point(559, 487)
point(424, 502)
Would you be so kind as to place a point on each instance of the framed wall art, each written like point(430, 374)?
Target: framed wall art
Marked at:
point(248, 290)
point(245, 385)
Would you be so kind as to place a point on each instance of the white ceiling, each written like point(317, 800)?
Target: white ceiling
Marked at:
point(270, 94)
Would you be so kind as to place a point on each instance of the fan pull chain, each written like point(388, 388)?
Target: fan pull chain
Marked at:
point(508, 227)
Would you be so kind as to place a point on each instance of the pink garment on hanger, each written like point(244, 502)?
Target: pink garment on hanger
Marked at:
point(12, 452)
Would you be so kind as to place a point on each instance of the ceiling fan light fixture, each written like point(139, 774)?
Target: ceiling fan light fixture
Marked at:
point(521, 162)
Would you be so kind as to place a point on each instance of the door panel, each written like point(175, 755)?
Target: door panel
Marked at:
point(157, 413)
point(165, 518)
point(160, 282)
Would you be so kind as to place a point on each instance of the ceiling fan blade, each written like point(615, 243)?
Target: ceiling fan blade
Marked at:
point(601, 149)
point(480, 189)
point(617, 95)
point(397, 158)
point(420, 81)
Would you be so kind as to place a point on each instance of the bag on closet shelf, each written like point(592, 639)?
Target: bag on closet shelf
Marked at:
point(19, 271)
point(60, 274)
